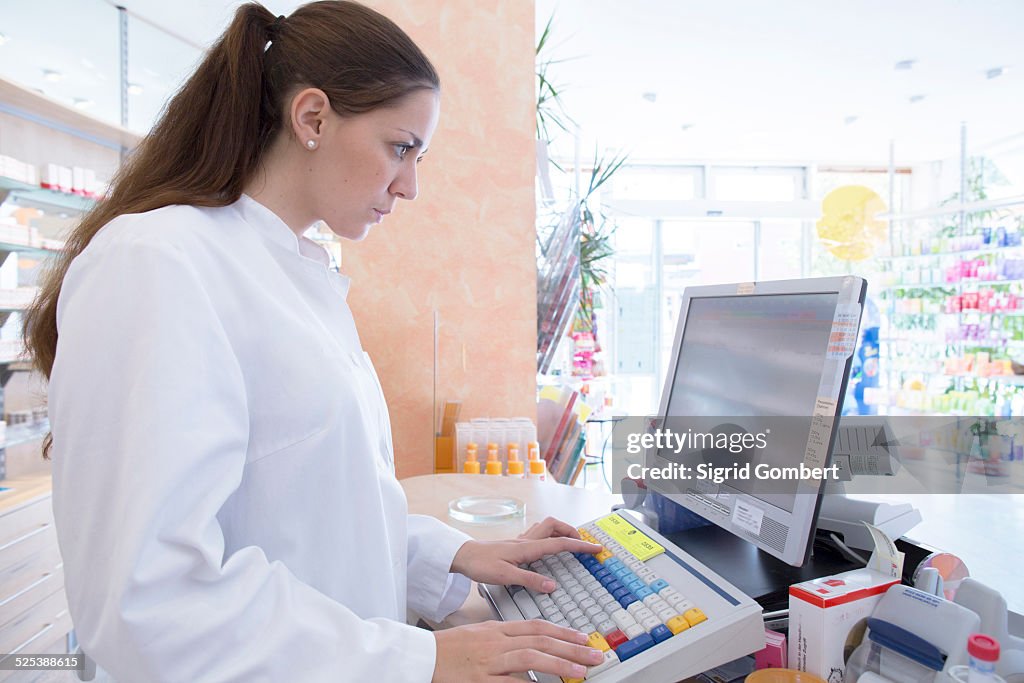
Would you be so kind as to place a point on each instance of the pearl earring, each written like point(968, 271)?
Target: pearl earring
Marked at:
point(311, 144)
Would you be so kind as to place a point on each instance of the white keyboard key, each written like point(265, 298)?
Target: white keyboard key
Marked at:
point(562, 622)
point(587, 602)
point(644, 572)
point(635, 607)
point(605, 627)
point(574, 614)
point(667, 592)
point(563, 600)
point(622, 619)
point(593, 611)
point(650, 623)
point(607, 600)
point(591, 584)
point(537, 565)
point(652, 601)
point(666, 614)
point(634, 564)
point(610, 660)
point(642, 614)
point(579, 623)
point(551, 613)
point(634, 631)
point(526, 605)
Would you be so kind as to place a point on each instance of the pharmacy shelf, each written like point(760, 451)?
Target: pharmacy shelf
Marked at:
point(20, 434)
point(967, 253)
point(970, 313)
point(23, 102)
point(51, 201)
point(950, 285)
point(953, 209)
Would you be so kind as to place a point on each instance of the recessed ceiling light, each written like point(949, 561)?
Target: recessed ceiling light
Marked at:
point(996, 72)
point(914, 99)
point(850, 119)
point(52, 75)
point(905, 65)
point(686, 126)
point(134, 89)
point(82, 103)
point(650, 96)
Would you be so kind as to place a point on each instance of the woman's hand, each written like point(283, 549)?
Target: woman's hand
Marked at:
point(498, 561)
point(493, 650)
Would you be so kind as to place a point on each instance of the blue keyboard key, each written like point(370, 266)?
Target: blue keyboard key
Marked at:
point(590, 563)
point(608, 581)
point(660, 633)
point(627, 600)
point(601, 573)
point(620, 593)
point(643, 593)
point(612, 562)
point(656, 586)
point(634, 647)
point(614, 585)
point(635, 585)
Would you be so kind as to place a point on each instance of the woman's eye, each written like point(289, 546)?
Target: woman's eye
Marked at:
point(402, 150)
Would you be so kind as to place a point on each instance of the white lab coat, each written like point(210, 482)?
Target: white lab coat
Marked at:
point(223, 481)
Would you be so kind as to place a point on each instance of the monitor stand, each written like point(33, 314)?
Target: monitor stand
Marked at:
point(756, 573)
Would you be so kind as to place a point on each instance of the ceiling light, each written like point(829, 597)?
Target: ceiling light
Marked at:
point(52, 76)
point(850, 119)
point(651, 96)
point(905, 65)
point(996, 72)
point(134, 89)
point(914, 99)
point(81, 103)
point(686, 126)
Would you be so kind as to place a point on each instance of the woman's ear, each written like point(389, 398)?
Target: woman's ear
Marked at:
point(308, 112)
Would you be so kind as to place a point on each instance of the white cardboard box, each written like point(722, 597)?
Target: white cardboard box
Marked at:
point(827, 619)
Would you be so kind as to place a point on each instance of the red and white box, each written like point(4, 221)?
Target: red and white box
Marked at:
point(828, 617)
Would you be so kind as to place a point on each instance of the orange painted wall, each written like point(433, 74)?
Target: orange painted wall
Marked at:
point(465, 248)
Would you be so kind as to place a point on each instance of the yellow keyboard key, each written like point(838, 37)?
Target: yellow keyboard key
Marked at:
point(677, 625)
point(597, 641)
point(694, 616)
point(571, 680)
point(602, 556)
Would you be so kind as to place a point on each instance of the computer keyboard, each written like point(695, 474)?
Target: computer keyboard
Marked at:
point(658, 614)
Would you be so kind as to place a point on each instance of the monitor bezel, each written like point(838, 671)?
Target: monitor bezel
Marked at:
point(802, 521)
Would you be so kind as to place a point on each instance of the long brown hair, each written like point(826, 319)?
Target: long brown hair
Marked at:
point(211, 138)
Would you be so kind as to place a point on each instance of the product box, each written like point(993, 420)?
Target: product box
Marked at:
point(828, 617)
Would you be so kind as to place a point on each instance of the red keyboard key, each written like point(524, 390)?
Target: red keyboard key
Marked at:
point(615, 638)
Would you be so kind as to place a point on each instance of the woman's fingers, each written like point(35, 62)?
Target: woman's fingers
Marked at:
point(550, 527)
point(532, 627)
point(542, 662)
point(534, 550)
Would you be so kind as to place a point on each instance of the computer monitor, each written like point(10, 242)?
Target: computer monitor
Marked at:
point(751, 357)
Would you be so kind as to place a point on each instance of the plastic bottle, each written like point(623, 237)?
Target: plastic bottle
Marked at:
point(532, 450)
point(493, 465)
point(515, 465)
point(538, 470)
point(983, 653)
point(472, 465)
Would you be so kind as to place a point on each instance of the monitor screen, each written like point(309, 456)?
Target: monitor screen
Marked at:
point(769, 356)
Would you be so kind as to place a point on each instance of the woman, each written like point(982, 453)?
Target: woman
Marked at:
point(224, 488)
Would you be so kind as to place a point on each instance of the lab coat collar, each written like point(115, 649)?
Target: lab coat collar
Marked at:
point(268, 224)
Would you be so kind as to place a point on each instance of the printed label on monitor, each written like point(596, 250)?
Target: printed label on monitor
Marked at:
point(843, 340)
point(630, 538)
point(747, 517)
point(745, 288)
point(821, 428)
